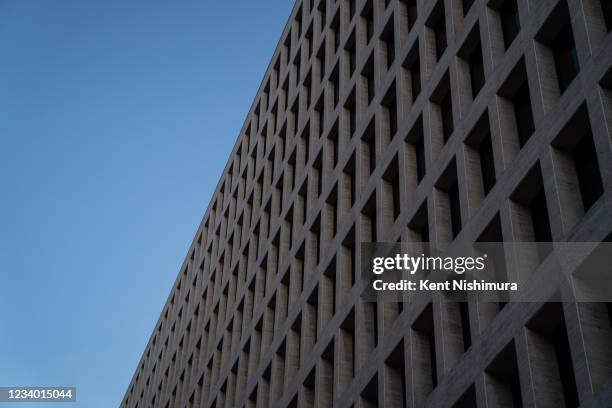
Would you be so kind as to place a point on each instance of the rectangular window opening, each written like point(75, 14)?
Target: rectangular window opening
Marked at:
point(558, 35)
point(395, 378)
point(437, 23)
point(424, 356)
point(388, 39)
point(549, 338)
point(419, 225)
point(510, 21)
point(516, 91)
point(369, 395)
point(531, 199)
point(389, 104)
point(368, 74)
point(502, 378)
point(448, 186)
point(412, 65)
point(368, 20)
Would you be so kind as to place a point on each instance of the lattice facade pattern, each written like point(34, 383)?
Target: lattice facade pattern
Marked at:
point(393, 121)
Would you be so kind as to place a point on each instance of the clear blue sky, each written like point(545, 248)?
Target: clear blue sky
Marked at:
point(116, 120)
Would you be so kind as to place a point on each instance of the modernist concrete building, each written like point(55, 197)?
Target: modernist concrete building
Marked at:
point(399, 120)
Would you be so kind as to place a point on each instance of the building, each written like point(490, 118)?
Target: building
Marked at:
point(391, 121)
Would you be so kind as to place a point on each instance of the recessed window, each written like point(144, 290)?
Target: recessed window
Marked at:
point(437, 24)
point(442, 100)
point(333, 144)
point(369, 395)
point(326, 371)
point(351, 54)
point(516, 91)
point(287, 45)
point(471, 54)
point(448, 188)
point(587, 170)
point(323, 14)
point(419, 226)
point(351, 8)
point(503, 377)
point(493, 233)
point(316, 174)
point(466, 334)
point(566, 59)
point(548, 340)
point(480, 149)
point(539, 216)
point(297, 63)
point(392, 188)
point(335, 27)
point(320, 114)
point(411, 12)
point(533, 223)
point(412, 65)
point(308, 42)
point(308, 389)
point(419, 147)
point(395, 377)
point(335, 82)
point(368, 148)
point(286, 94)
point(367, 16)
point(332, 209)
point(307, 88)
point(455, 208)
point(477, 77)
point(305, 145)
point(298, 22)
point(424, 354)
point(416, 150)
point(523, 114)
point(389, 104)
point(321, 60)
point(446, 108)
point(558, 35)
point(351, 111)
point(368, 74)
point(349, 174)
point(575, 145)
point(369, 218)
point(510, 21)
point(388, 40)
point(440, 30)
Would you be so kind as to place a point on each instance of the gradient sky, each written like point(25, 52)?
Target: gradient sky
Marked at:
point(116, 120)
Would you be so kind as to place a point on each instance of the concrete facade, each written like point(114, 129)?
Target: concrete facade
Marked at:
point(392, 121)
